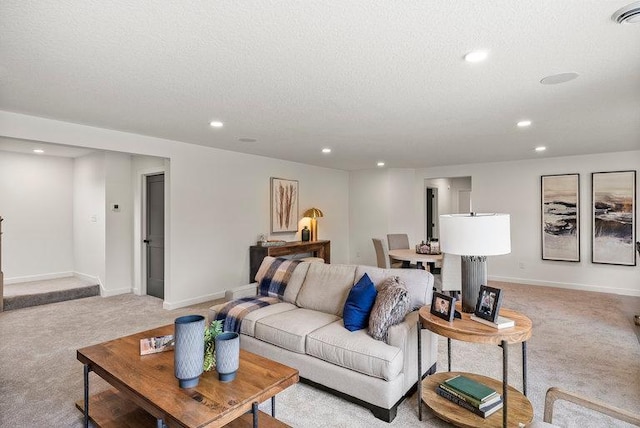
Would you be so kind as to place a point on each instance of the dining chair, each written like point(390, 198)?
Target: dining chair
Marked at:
point(450, 278)
point(397, 241)
point(382, 257)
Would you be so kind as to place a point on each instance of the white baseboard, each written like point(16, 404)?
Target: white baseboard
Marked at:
point(115, 292)
point(194, 301)
point(40, 277)
point(568, 285)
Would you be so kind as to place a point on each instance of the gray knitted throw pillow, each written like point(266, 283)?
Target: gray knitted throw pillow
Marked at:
point(392, 305)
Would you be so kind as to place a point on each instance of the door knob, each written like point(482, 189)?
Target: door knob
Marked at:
point(146, 241)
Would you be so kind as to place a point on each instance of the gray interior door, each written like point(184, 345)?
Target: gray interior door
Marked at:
point(155, 235)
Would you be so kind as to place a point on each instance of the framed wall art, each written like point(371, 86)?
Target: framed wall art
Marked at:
point(561, 217)
point(284, 205)
point(613, 217)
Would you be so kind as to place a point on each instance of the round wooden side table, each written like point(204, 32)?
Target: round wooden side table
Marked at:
point(467, 330)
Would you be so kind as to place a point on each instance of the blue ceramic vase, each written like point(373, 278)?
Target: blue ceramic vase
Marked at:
point(189, 350)
point(227, 356)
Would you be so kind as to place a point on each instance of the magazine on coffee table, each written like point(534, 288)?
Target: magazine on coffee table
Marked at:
point(153, 345)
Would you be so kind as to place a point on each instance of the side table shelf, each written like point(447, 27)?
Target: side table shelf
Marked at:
point(516, 405)
point(520, 409)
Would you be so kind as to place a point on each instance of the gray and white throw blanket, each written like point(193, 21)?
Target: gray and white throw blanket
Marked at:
point(270, 291)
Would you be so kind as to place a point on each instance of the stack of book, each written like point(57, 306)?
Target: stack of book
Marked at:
point(472, 395)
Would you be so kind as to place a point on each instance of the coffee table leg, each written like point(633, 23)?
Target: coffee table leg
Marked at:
point(87, 369)
point(273, 406)
point(505, 383)
point(254, 410)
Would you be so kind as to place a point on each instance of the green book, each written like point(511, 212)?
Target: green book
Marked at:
point(471, 388)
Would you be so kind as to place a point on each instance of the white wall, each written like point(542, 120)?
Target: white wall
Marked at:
point(119, 224)
point(219, 202)
point(448, 188)
point(35, 201)
point(89, 225)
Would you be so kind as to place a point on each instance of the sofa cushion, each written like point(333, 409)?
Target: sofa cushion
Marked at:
point(289, 329)
point(359, 304)
point(392, 305)
point(419, 282)
point(294, 283)
point(248, 322)
point(326, 287)
point(355, 350)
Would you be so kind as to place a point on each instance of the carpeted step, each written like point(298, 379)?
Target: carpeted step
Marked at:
point(25, 301)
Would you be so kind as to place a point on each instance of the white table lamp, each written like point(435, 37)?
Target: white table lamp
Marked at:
point(474, 237)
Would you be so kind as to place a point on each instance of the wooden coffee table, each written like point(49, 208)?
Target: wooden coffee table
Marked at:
point(146, 389)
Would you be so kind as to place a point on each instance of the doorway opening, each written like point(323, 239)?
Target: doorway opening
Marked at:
point(448, 195)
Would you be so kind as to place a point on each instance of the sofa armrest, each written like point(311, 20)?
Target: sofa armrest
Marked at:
point(405, 337)
point(248, 290)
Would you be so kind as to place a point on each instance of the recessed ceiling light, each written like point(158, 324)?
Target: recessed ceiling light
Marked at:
point(39, 151)
point(326, 150)
point(524, 123)
point(216, 124)
point(247, 140)
point(555, 79)
point(476, 56)
point(630, 14)
point(540, 149)
point(380, 163)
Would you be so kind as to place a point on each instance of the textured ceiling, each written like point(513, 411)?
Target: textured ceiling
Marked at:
point(372, 80)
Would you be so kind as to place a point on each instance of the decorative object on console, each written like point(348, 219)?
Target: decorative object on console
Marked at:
point(391, 306)
point(189, 350)
point(227, 355)
point(443, 306)
point(284, 205)
point(474, 237)
point(313, 214)
point(614, 212)
point(305, 234)
point(560, 217)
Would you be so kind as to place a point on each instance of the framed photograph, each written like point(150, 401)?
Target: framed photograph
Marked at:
point(488, 305)
point(613, 222)
point(560, 217)
point(443, 306)
point(284, 205)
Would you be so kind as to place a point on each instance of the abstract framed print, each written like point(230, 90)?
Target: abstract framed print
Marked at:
point(560, 208)
point(613, 217)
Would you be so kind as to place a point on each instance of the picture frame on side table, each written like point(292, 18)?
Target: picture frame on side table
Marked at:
point(489, 302)
point(560, 207)
point(284, 205)
point(613, 210)
point(443, 306)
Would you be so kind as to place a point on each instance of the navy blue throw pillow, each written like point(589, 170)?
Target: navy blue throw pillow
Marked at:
point(359, 304)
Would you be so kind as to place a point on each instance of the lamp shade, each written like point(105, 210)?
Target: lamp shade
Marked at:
point(313, 213)
point(483, 234)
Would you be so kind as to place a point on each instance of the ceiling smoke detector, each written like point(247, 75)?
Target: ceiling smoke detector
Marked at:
point(630, 14)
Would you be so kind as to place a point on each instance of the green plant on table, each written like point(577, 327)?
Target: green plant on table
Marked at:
point(210, 333)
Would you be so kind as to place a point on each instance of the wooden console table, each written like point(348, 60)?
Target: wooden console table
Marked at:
point(320, 249)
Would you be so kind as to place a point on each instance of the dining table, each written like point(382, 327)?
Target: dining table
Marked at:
point(409, 256)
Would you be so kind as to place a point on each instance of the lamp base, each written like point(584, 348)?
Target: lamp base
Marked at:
point(314, 229)
point(474, 274)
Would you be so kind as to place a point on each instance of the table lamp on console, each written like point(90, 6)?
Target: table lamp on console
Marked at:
point(474, 236)
point(313, 214)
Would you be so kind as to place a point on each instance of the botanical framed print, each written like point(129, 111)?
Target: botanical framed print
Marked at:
point(614, 212)
point(561, 217)
point(284, 205)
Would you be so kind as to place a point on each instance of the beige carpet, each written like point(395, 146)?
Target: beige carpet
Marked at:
point(584, 342)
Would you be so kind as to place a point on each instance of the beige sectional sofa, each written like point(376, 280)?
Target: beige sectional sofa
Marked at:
point(306, 331)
